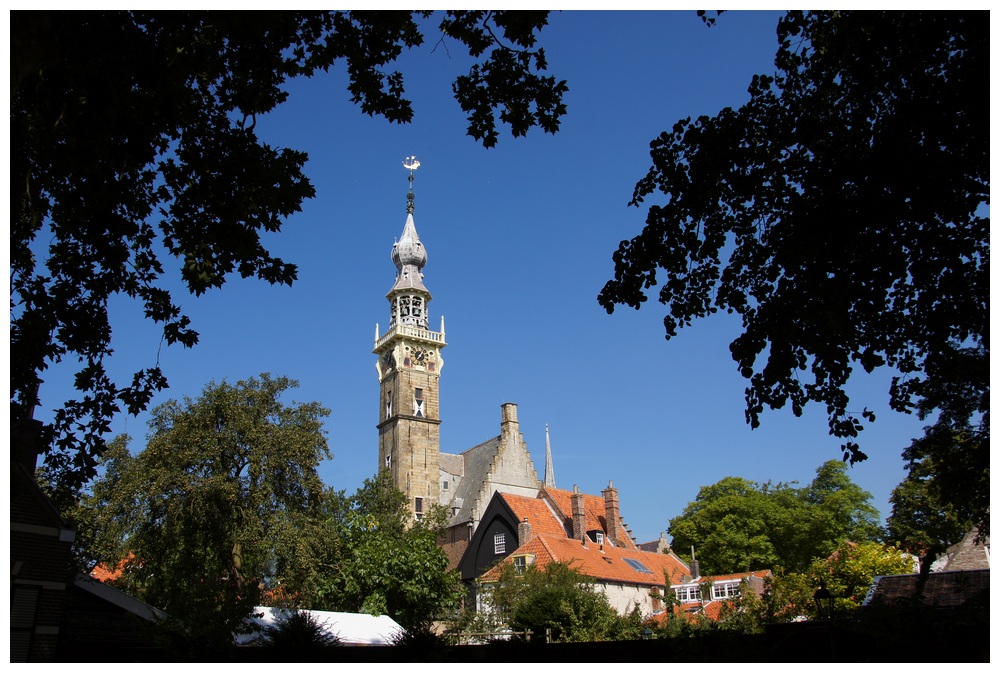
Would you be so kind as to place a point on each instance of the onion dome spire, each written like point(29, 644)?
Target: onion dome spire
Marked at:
point(408, 253)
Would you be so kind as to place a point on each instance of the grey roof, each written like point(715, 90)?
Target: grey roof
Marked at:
point(947, 589)
point(477, 461)
point(409, 256)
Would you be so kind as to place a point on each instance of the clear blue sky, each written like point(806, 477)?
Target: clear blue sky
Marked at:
point(519, 241)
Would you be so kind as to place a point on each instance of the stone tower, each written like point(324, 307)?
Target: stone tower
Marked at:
point(409, 369)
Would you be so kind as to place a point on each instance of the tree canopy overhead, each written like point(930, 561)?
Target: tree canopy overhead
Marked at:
point(133, 148)
point(842, 213)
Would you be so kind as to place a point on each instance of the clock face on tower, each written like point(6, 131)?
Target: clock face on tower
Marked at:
point(420, 356)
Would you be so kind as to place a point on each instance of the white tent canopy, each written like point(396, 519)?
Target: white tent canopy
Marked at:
point(351, 628)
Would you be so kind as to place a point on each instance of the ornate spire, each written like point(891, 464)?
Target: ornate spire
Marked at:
point(550, 474)
point(408, 252)
point(411, 164)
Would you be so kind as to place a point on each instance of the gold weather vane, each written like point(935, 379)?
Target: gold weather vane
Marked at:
point(411, 164)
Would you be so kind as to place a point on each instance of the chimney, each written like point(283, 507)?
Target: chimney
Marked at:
point(611, 513)
point(26, 442)
point(579, 516)
point(509, 427)
point(695, 567)
point(523, 532)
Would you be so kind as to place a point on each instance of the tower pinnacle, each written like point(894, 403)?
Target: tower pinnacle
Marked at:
point(411, 164)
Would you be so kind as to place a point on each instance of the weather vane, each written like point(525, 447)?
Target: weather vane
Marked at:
point(411, 164)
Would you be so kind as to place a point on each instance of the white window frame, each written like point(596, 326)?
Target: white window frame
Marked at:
point(499, 543)
point(690, 593)
point(725, 590)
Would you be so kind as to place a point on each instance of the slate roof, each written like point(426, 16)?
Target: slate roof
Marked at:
point(604, 563)
point(946, 589)
point(476, 465)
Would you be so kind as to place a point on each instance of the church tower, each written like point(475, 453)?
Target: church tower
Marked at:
point(409, 369)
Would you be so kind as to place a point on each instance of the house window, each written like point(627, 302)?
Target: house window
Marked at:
point(499, 543)
point(728, 590)
point(418, 507)
point(522, 561)
point(23, 610)
point(418, 402)
point(444, 485)
point(388, 403)
point(656, 599)
point(599, 538)
point(688, 594)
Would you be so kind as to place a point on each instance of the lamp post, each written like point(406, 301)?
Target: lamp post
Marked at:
point(824, 602)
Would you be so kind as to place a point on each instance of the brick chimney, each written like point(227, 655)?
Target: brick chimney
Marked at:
point(612, 516)
point(579, 516)
point(524, 534)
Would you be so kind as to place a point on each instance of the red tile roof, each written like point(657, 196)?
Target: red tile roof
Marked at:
point(105, 574)
point(734, 576)
point(539, 514)
point(593, 507)
point(603, 563)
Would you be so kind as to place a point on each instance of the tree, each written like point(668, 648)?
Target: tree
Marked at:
point(849, 571)
point(557, 600)
point(738, 525)
point(842, 213)
point(920, 522)
point(385, 566)
point(218, 508)
point(127, 128)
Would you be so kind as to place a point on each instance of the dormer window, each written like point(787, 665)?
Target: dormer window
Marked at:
point(522, 561)
point(688, 594)
point(725, 590)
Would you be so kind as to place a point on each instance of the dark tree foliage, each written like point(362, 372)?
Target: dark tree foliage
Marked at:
point(133, 148)
point(842, 213)
point(920, 522)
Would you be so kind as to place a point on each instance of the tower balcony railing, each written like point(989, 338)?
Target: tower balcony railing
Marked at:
point(411, 331)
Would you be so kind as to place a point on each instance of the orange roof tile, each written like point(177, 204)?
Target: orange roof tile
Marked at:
point(593, 507)
point(734, 576)
point(539, 514)
point(103, 573)
point(603, 563)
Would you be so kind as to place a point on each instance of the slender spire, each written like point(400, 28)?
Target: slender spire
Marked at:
point(550, 475)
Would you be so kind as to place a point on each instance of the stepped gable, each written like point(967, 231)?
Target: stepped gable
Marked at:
point(476, 466)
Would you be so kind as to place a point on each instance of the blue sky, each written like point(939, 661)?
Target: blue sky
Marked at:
point(519, 241)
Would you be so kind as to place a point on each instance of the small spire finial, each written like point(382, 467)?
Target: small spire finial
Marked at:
point(411, 164)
